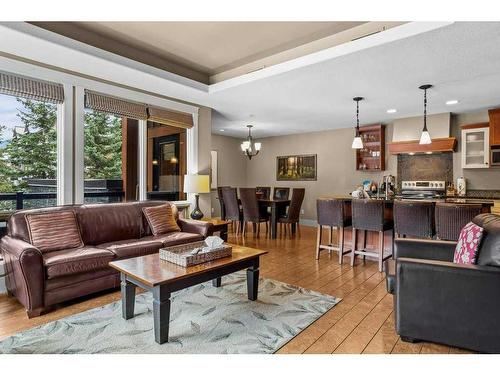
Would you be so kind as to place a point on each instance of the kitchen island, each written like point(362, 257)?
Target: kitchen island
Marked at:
point(372, 238)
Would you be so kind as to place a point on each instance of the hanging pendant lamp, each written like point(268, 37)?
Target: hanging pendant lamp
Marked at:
point(425, 137)
point(357, 143)
point(249, 147)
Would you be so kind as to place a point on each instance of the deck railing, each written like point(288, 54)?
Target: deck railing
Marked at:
point(20, 197)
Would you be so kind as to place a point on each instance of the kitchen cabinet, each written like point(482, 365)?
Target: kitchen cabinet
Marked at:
point(475, 146)
point(494, 127)
point(372, 156)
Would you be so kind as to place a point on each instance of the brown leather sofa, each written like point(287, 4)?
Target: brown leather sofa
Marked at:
point(109, 232)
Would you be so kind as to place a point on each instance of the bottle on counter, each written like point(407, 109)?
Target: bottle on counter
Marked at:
point(450, 190)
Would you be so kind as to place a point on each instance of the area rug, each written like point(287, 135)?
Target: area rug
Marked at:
point(203, 319)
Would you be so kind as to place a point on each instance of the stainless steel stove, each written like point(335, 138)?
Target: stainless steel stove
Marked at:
point(423, 189)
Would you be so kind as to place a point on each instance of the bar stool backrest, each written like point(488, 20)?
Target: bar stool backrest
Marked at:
point(451, 218)
point(414, 219)
point(333, 212)
point(368, 214)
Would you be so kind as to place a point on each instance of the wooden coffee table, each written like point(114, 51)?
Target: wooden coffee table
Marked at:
point(162, 278)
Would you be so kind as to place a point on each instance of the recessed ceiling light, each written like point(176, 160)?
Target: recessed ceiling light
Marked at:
point(452, 102)
point(222, 130)
point(391, 110)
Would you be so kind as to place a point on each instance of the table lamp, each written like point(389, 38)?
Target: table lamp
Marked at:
point(197, 184)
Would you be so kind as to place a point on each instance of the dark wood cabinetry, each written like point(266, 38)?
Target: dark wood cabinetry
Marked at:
point(494, 127)
point(372, 156)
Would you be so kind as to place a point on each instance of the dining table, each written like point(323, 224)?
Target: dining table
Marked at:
point(278, 208)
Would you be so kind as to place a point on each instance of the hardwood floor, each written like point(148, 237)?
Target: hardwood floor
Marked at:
point(363, 322)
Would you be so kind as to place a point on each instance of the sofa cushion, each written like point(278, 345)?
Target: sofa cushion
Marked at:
point(54, 231)
point(468, 244)
point(133, 248)
point(74, 261)
point(101, 223)
point(489, 252)
point(175, 238)
point(161, 219)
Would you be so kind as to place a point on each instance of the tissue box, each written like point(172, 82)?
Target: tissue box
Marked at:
point(181, 256)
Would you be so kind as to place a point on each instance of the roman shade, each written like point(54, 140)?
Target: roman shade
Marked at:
point(30, 88)
point(115, 106)
point(172, 118)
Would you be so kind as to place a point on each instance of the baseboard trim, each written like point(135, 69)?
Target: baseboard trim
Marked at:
point(308, 222)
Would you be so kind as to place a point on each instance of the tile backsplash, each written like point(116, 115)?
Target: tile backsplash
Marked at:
point(433, 167)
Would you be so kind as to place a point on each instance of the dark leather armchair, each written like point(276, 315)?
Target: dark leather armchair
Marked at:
point(454, 304)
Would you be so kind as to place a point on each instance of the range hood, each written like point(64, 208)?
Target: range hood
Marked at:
point(406, 135)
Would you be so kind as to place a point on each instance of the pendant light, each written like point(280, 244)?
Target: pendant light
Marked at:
point(249, 147)
point(425, 137)
point(357, 143)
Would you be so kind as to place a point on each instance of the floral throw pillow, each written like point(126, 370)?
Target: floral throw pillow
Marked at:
point(468, 244)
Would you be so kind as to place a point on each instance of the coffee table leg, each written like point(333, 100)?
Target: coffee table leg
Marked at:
point(161, 313)
point(128, 298)
point(253, 281)
point(217, 282)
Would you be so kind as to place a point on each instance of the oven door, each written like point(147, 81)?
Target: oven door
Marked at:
point(495, 156)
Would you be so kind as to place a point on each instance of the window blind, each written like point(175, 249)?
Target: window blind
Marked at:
point(172, 118)
point(30, 88)
point(115, 106)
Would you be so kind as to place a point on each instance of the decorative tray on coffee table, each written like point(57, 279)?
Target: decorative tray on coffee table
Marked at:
point(181, 254)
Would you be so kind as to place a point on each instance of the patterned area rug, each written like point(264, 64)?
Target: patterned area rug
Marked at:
point(203, 319)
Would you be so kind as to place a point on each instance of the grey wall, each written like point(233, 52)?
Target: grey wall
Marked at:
point(232, 166)
point(336, 163)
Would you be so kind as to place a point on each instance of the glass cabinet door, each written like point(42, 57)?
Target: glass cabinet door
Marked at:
point(475, 145)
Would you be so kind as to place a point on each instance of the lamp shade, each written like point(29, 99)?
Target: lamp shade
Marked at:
point(196, 183)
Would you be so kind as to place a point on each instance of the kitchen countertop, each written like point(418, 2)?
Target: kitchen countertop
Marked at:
point(457, 200)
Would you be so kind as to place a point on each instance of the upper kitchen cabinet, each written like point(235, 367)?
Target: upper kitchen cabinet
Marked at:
point(494, 126)
point(372, 156)
point(475, 146)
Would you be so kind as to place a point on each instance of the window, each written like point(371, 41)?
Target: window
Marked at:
point(166, 158)
point(103, 165)
point(28, 153)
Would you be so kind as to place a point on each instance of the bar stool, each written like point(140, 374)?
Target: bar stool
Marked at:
point(451, 218)
point(333, 213)
point(368, 215)
point(414, 219)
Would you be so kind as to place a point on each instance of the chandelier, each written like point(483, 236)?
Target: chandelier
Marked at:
point(249, 147)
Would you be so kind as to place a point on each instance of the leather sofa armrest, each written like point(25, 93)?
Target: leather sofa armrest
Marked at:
point(25, 275)
point(424, 249)
point(195, 226)
point(449, 303)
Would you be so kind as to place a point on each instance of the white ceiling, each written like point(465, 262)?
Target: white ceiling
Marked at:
point(461, 60)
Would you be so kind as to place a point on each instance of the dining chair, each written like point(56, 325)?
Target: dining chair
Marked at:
point(263, 191)
point(252, 212)
point(281, 193)
point(293, 214)
point(221, 202)
point(232, 209)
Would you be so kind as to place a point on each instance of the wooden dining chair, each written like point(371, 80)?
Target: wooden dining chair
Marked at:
point(263, 191)
point(252, 212)
point(281, 193)
point(293, 214)
point(232, 209)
